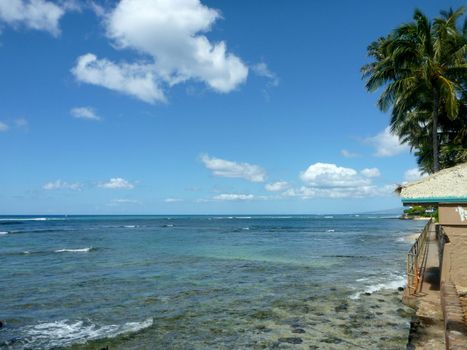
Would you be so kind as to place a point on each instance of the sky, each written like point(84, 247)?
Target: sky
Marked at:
point(196, 107)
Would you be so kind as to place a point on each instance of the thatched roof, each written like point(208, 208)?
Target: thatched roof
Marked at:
point(446, 186)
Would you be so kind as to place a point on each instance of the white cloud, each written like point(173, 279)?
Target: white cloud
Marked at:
point(347, 154)
point(137, 80)
point(331, 175)
point(61, 185)
point(305, 192)
point(84, 113)
point(277, 186)
point(3, 127)
point(262, 70)
point(227, 168)
point(21, 123)
point(173, 200)
point(386, 144)
point(123, 201)
point(33, 14)
point(117, 183)
point(413, 175)
point(171, 34)
point(370, 172)
point(324, 180)
point(234, 197)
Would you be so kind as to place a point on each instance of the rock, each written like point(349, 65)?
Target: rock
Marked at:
point(298, 330)
point(291, 340)
point(400, 289)
point(341, 307)
point(367, 293)
point(1, 324)
point(296, 325)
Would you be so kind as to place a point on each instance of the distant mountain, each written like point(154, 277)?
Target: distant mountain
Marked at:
point(393, 211)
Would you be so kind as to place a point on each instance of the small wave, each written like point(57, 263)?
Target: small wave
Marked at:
point(331, 230)
point(79, 250)
point(243, 217)
point(168, 225)
point(246, 228)
point(400, 239)
point(129, 226)
point(25, 219)
point(2, 233)
point(329, 217)
point(65, 333)
point(399, 281)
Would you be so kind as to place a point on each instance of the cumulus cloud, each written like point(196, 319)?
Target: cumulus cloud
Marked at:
point(123, 201)
point(84, 113)
point(325, 180)
point(137, 80)
point(277, 186)
point(386, 144)
point(413, 175)
point(347, 154)
point(21, 123)
point(234, 197)
point(305, 192)
point(32, 14)
point(227, 168)
point(117, 183)
point(370, 172)
point(3, 127)
point(262, 70)
point(173, 200)
point(171, 34)
point(61, 185)
point(331, 175)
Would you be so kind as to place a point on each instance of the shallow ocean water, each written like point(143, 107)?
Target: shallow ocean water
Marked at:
point(203, 282)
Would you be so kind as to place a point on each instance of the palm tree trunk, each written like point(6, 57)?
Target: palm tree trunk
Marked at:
point(435, 130)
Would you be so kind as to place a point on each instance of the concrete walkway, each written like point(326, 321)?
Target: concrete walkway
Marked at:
point(427, 331)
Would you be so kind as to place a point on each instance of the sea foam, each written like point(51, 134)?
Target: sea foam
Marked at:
point(79, 250)
point(398, 281)
point(65, 333)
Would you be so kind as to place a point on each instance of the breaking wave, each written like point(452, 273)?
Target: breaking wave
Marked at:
point(79, 250)
point(398, 281)
point(65, 333)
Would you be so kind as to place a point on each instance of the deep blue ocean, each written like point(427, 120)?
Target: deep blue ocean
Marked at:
point(204, 282)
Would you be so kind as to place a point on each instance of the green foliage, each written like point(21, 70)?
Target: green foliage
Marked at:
point(422, 71)
point(419, 210)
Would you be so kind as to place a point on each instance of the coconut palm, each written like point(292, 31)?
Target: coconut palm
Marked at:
point(421, 67)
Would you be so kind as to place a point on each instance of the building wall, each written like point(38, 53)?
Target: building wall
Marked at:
point(453, 214)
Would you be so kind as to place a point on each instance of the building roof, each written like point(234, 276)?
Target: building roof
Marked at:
point(446, 186)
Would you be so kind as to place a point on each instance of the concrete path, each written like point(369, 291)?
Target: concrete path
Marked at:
point(428, 330)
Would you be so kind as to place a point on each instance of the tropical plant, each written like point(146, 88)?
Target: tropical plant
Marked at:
point(421, 67)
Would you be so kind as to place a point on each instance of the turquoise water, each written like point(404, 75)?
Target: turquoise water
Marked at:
point(203, 282)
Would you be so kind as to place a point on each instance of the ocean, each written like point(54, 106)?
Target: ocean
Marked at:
point(204, 282)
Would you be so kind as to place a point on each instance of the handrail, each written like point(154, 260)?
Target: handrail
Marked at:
point(415, 259)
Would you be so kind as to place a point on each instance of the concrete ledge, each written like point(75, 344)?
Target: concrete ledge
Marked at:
point(454, 318)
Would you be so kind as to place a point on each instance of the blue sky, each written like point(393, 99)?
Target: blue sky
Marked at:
point(195, 107)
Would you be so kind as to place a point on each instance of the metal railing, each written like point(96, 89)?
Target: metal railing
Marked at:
point(416, 258)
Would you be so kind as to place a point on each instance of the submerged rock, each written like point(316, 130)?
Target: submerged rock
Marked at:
point(291, 340)
point(341, 307)
point(298, 330)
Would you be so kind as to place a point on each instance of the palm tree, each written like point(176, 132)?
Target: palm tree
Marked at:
point(422, 68)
